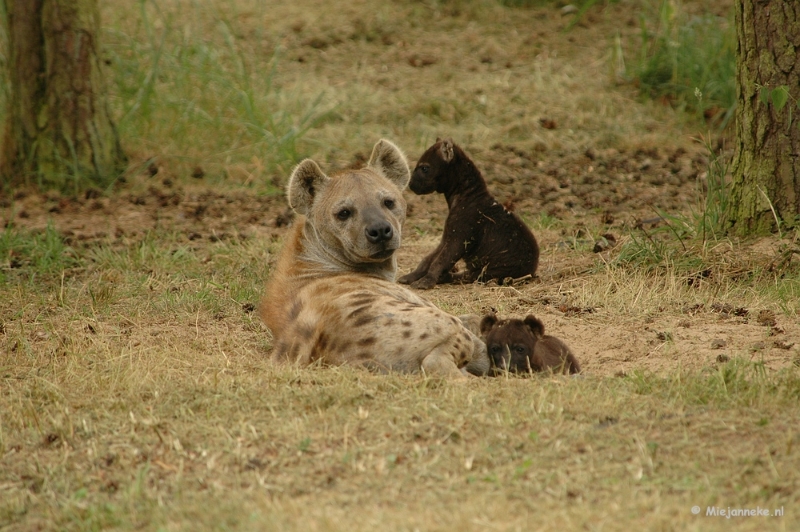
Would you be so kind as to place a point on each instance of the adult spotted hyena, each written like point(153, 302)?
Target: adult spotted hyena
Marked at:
point(332, 296)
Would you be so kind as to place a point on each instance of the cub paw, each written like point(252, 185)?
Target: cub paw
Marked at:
point(406, 279)
point(424, 284)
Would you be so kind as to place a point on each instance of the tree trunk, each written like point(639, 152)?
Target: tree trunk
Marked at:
point(767, 159)
point(58, 131)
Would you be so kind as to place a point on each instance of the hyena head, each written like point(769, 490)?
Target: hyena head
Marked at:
point(510, 343)
point(431, 171)
point(354, 218)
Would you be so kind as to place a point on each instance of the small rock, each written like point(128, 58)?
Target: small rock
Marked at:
point(605, 242)
point(723, 358)
point(758, 346)
point(419, 61)
point(718, 343)
point(548, 123)
point(568, 10)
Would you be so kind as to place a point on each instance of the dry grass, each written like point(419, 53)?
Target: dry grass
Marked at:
point(136, 394)
point(192, 431)
point(135, 391)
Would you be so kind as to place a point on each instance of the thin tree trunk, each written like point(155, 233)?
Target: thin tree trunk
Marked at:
point(766, 167)
point(58, 130)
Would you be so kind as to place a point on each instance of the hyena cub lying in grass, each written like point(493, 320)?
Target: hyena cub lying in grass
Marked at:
point(493, 241)
point(332, 297)
point(520, 346)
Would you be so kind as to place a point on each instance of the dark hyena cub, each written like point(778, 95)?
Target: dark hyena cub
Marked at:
point(494, 242)
point(520, 346)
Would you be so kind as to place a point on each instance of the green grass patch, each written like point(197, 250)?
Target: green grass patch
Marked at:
point(687, 60)
point(34, 255)
point(212, 96)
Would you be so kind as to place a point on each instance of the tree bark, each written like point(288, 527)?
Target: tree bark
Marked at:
point(58, 130)
point(767, 157)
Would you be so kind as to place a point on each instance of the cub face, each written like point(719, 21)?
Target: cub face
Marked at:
point(520, 346)
point(511, 343)
point(356, 215)
point(431, 167)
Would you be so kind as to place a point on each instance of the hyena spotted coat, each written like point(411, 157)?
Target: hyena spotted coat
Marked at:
point(332, 296)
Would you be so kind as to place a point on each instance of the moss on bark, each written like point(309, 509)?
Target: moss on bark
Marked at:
point(766, 166)
point(58, 130)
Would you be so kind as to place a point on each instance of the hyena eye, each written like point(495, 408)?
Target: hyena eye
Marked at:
point(519, 348)
point(389, 203)
point(424, 168)
point(495, 349)
point(344, 214)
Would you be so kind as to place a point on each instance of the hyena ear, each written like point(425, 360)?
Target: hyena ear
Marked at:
point(306, 181)
point(535, 325)
point(446, 151)
point(487, 323)
point(389, 161)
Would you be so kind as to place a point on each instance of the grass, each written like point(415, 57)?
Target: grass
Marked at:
point(135, 386)
point(177, 74)
point(136, 394)
point(681, 55)
point(45, 252)
point(244, 445)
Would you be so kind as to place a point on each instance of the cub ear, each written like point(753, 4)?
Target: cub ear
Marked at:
point(446, 151)
point(535, 325)
point(487, 323)
point(305, 183)
point(389, 161)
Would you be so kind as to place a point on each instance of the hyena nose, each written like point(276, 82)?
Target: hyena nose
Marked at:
point(379, 232)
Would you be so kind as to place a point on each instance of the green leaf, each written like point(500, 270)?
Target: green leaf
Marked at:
point(763, 95)
point(780, 96)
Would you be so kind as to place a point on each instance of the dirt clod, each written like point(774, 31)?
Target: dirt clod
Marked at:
point(766, 318)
